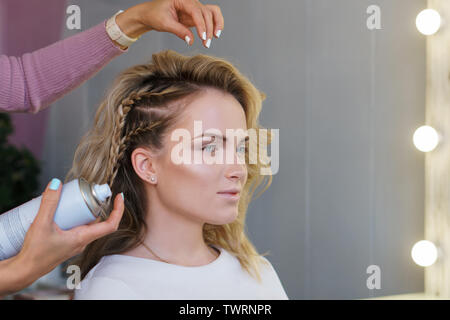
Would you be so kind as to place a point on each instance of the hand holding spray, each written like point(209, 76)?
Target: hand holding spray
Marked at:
point(80, 203)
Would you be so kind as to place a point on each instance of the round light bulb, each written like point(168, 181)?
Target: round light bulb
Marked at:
point(428, 21)
point(425, 138)
point(424, 253)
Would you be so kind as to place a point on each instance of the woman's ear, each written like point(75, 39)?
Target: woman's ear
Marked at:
point(144, 164)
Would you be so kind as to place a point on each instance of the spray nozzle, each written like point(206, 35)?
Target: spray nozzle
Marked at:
point(102, 191)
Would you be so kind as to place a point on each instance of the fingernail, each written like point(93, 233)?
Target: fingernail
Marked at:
point(204, 36)
point(208, 43)
point(54, 185)
point(123, 198)
point(218, 33)
point(187, 39)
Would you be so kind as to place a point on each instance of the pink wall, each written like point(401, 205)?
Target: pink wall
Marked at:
point(25, 26)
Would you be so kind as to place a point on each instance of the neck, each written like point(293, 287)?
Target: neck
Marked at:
point(176, 238)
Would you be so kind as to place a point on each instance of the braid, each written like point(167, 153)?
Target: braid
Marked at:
point(123, 110)
point(119, 143)
point(124, 142)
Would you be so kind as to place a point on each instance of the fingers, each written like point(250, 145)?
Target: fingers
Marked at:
point(207, 19)
point(197, 16)
point(49, 202)
point(207, 16)
point(181, 31)
point(217, 19)
point(89, 233)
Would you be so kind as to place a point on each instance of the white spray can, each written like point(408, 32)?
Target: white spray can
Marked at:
point(79, 203)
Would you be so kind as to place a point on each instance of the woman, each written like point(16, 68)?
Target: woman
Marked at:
point(35, 80)
point(181, 236)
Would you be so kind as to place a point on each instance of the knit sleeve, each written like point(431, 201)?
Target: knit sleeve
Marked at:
point(32, 82)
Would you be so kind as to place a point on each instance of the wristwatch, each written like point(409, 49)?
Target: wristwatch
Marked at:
point(116, 34)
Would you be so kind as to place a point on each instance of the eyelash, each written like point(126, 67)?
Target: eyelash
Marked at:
point(212, 145)
point(209, 145)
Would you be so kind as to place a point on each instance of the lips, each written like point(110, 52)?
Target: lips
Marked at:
point(233, 191)
point(230, 194)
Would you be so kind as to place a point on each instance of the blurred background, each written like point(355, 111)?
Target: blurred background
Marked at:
point(353, 193)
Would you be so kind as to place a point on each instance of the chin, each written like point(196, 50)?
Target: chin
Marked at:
point(227, 217)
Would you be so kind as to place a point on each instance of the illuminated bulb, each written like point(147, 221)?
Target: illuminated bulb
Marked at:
point(428, 21)
point(425, 138)
point(424, 253)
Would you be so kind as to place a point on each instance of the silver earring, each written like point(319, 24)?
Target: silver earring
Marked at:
point(153, 178)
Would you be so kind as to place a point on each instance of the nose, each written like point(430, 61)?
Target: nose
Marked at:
point(236, 171)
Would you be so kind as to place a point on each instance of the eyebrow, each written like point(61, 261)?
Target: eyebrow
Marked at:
point(208, 134)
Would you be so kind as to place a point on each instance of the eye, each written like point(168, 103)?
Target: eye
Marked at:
point(208, 147)
point(241, 148)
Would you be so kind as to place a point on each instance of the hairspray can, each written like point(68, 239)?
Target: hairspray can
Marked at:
point(79, 203)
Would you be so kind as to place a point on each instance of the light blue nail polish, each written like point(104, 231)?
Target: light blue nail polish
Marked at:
point(122, 195)
point(54, 185)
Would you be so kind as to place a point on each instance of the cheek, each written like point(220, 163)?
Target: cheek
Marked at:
point(190, 187)
point(196, 177)
point(191, 190)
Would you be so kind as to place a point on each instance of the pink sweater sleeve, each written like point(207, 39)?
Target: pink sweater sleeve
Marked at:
point(32, 82)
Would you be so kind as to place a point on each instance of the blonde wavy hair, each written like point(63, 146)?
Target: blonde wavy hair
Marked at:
point(138, 111)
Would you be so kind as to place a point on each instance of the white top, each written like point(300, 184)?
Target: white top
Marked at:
point(125, 277)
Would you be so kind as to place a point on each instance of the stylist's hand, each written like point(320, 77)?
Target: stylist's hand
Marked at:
point(46, 245)
point(174, 16)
